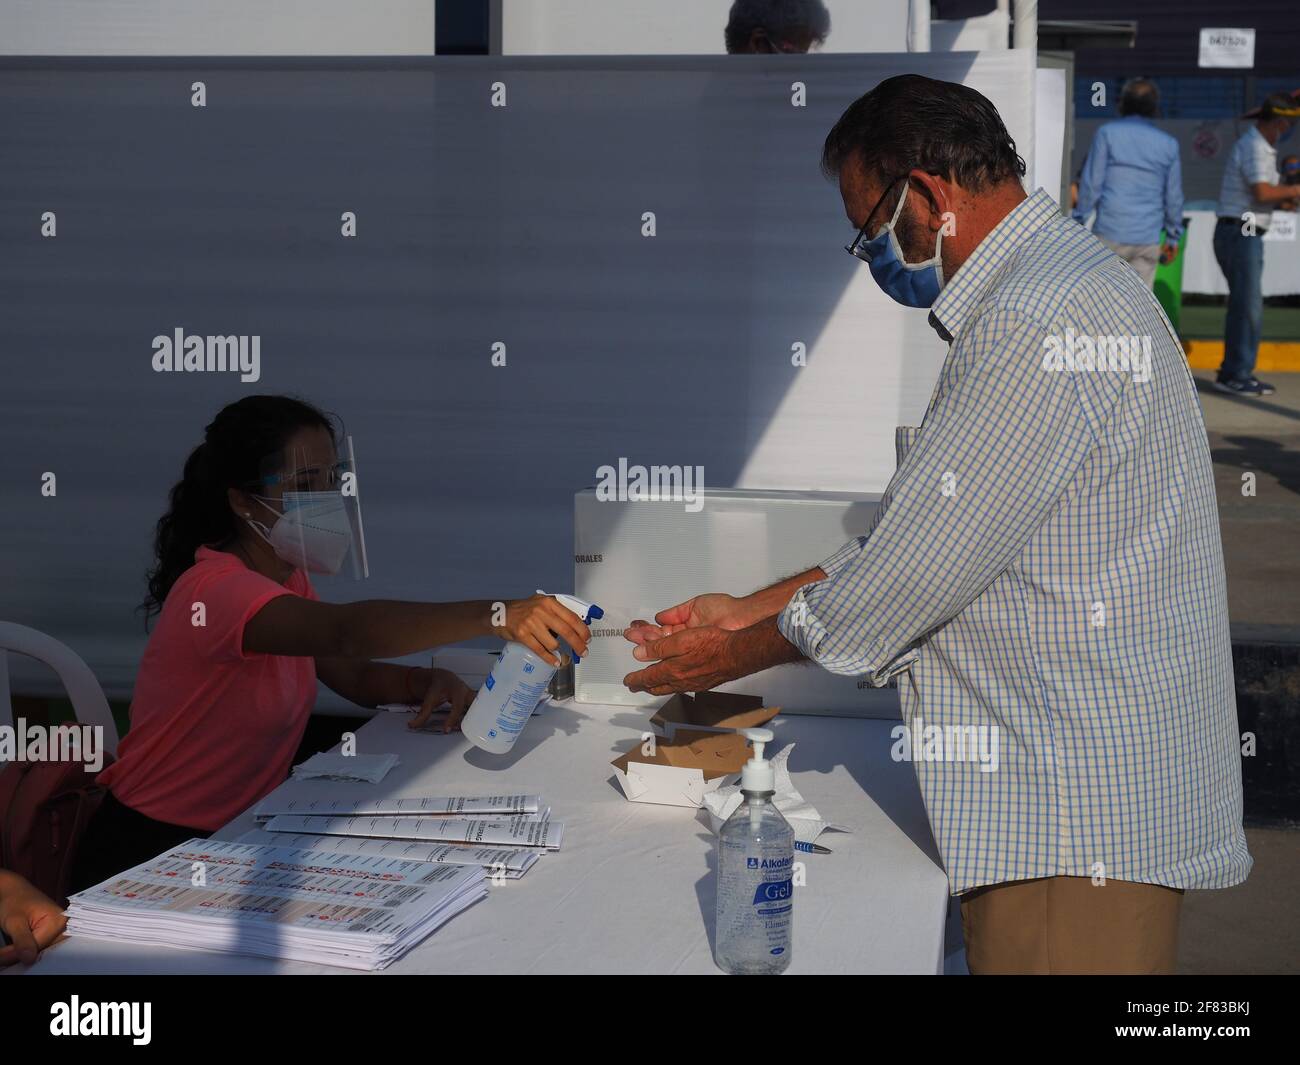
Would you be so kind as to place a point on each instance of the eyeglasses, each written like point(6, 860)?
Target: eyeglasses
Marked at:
point(316, 478)
point(858, 248)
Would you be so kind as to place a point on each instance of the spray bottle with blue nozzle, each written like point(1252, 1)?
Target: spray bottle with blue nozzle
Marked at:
point(517, 684)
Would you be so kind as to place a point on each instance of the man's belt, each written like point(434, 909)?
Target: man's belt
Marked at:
point(1227, 219)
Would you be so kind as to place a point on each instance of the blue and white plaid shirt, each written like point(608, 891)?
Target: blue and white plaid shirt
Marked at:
point(1046, 560)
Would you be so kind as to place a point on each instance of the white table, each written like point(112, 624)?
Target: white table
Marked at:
point(632, 890)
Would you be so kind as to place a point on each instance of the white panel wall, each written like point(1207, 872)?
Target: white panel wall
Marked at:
point(216, 27)
point(1049, 129)
point(676, 27)
point(475, 225)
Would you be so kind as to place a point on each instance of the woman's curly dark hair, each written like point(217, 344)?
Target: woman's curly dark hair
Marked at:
point(235, 444)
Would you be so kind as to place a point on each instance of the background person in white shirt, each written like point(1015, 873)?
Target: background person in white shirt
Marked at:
point(1249, 192)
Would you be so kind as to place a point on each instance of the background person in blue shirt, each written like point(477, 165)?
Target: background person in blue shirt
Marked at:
point(1133, 179)
point(1250, 192)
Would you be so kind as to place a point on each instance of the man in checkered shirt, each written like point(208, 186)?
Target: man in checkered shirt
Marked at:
point(1045, 564)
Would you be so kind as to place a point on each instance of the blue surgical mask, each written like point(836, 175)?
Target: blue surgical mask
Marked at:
point(911, 284)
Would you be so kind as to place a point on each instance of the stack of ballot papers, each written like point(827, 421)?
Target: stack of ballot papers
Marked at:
point(511, 832)
point(500, 863)
point(360, 911)
point(481, 822)
point(318, 801)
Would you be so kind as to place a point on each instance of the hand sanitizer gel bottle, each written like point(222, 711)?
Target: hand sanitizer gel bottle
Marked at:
point(755, 875)
point(518, 681)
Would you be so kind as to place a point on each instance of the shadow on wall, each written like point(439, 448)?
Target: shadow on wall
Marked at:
point(475, 226)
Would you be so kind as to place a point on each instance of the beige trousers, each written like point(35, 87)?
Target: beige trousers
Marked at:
point(1065, 924)
point(1144, 258)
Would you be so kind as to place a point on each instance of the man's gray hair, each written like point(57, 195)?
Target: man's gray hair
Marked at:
point(1139, 96)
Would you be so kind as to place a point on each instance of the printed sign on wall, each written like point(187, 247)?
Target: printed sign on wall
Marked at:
point(1227, 48)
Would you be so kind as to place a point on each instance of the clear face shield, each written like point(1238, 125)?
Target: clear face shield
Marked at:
point(310, 500)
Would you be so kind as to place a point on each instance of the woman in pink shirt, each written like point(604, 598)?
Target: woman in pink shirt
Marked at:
point(229, 674)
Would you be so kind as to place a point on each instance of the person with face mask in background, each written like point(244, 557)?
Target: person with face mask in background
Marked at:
point(229, 675)
point(776, 27)
point(1044, 569)
point(1250, 191)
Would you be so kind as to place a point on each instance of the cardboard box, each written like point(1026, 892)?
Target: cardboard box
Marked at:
point(700, 749)
point(711, 712)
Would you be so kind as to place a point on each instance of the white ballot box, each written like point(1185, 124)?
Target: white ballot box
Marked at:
point(636, 557)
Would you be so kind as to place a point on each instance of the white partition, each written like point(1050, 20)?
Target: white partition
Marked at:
point(476, 226)
point(216, 27)
point(676, 27)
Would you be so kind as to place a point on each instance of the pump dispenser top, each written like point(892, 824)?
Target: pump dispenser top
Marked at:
point(757, 774)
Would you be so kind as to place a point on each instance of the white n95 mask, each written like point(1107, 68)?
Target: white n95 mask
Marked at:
point(313, 533)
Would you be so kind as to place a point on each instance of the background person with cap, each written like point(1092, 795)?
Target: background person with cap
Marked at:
point(1133, 179)
point(1250, 191)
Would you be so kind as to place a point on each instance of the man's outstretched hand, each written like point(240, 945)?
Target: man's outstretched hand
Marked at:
point(712, 639)
point(712, 609)
point(699, 659)
point(690, 642)
point(689, 660)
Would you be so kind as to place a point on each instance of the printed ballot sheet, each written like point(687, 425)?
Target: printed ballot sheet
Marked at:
point(509, 863)
point(323, 800)
point(512, 832)
point(354, 910)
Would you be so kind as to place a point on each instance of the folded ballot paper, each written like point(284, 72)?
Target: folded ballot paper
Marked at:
point(803, 817)
point(318, 800)
point(353, 910)
point(334, 765)
point(500, 863)
point(542, 835)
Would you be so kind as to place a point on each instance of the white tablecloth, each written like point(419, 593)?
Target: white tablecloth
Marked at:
point(1201, 272)
point(632, 890)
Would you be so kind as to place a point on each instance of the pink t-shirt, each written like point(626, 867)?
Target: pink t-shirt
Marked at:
point(213, 728)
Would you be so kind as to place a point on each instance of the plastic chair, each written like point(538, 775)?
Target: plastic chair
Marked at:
point(87, 697)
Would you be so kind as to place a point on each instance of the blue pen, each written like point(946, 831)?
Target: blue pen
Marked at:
point(811, 848)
